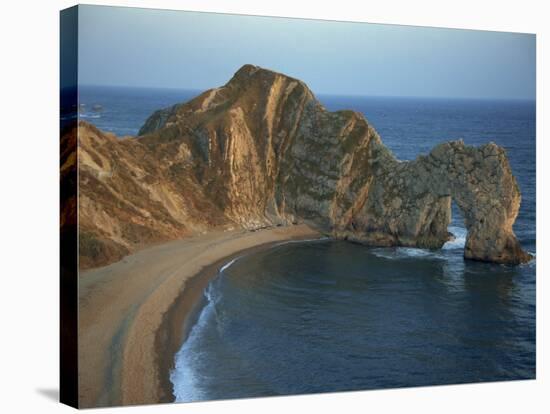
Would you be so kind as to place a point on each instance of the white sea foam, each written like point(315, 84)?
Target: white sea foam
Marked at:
point(232, 262)
point(533, 262)
point(459, 242)
point(394, 253)
point(303, 241)
point(184, 377)
point(228, 264)
point(94, 116)
point(410, 252)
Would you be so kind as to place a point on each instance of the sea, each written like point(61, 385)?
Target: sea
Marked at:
point(326, 316)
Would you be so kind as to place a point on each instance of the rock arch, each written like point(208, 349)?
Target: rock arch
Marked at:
point(262, 151)
point(481, 183)
point(411, 203)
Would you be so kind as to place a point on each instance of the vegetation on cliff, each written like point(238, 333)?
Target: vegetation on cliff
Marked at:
point(262, 151)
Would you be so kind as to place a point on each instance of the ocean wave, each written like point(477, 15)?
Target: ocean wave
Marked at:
point(459, 242)
point(185, 377)
point(208, 294)
point(415, 253)
point(398, 253)
point(228, 264)
point(91, 116)
point(531, 263)
point(303, 241)
point(232, 261)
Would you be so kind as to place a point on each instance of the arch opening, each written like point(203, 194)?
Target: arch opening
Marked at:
point(456, 227)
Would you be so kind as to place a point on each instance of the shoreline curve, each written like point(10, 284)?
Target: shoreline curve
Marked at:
point(181, 317)
point(135, 313)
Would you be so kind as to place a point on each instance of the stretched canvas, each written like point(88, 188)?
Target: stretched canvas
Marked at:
point(256, 206)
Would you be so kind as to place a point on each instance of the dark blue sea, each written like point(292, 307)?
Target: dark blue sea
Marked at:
point(329, 316)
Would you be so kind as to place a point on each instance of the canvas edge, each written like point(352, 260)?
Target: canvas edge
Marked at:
point(68, 316)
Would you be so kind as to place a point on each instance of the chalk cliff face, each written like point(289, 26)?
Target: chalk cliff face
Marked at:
point(262, 151)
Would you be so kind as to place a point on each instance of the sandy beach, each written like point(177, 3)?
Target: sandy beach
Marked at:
point(132, 314)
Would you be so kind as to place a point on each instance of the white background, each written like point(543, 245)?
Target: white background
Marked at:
point(29, 205)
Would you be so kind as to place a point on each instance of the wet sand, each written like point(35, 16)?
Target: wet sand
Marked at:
point(134, 314)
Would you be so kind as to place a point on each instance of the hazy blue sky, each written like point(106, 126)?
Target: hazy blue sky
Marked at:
point(175, 49)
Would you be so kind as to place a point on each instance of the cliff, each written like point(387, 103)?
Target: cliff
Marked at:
point(262, 151)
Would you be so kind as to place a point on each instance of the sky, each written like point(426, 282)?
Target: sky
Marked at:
point(190, 50)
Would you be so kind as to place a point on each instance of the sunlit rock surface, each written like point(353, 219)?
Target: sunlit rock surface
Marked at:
point(262, 151)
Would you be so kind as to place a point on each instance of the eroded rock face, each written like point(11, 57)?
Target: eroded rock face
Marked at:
point(262, 151)
point(414, 199)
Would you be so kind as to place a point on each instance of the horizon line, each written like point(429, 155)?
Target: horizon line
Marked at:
point(354, 95)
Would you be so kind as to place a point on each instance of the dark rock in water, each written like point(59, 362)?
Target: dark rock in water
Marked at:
point(262, 151)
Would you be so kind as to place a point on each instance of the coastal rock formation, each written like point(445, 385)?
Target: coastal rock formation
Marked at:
point(262, 151)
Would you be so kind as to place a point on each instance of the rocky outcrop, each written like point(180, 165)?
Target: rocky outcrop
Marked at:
point(158, 119)
point(262, 151)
